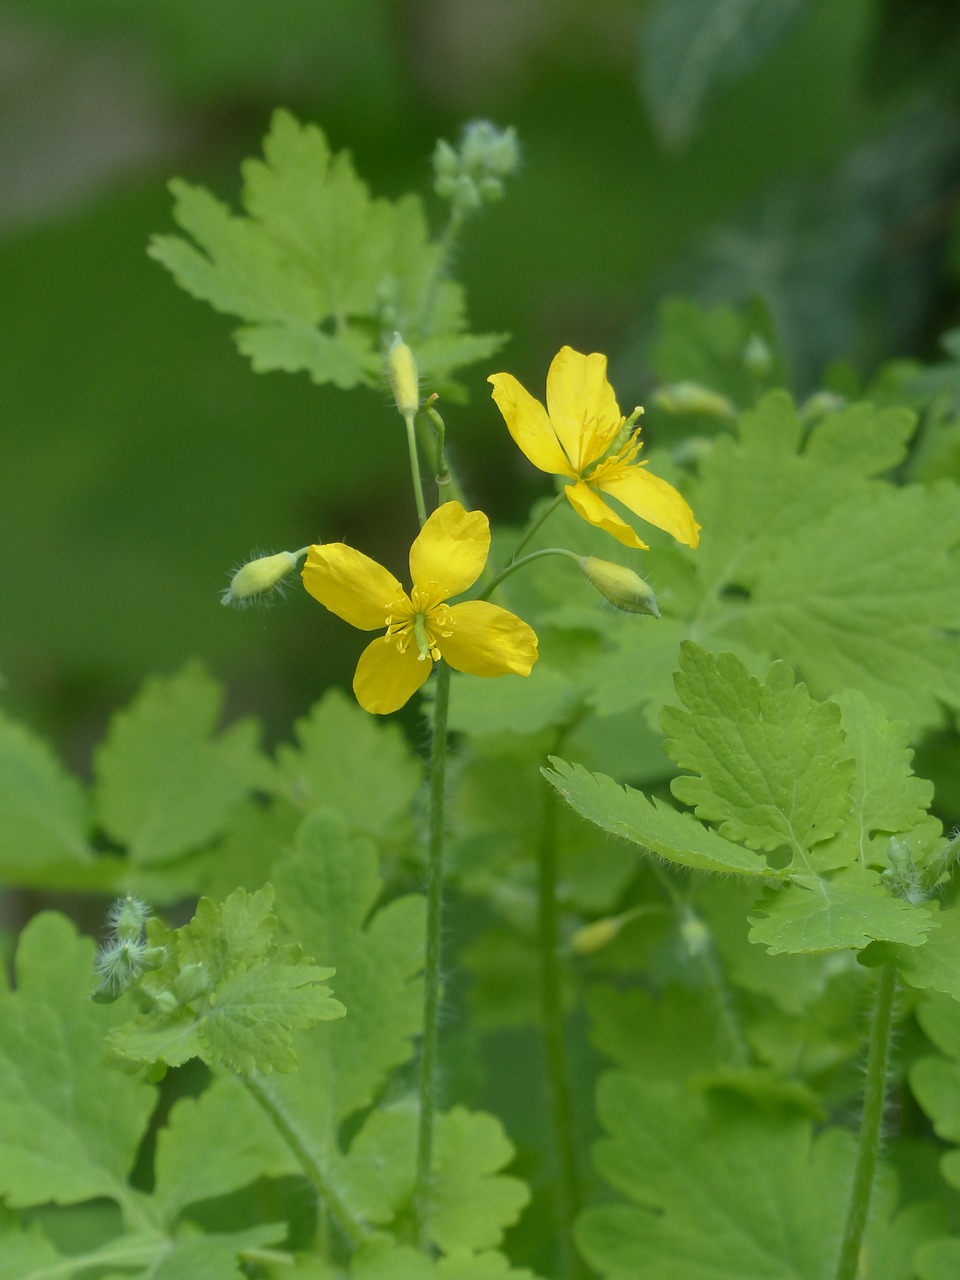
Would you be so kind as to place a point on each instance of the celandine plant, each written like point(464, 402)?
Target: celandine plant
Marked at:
point(394, 964)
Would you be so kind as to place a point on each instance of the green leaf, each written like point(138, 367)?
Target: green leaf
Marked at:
point(43, 811)
point(340, 749)
point(692, 47)
point(771, 763)
point(849, 909)
point(165, 785)
point(471, 1202)
point(651, 824)
point(213, 1145)
point(25, 1254)
point(317, 268)
point(719, 1190)
point(68, 1132)
point(512, 704)
point(225, 992)
point(934, 966)
point(886, 798)
point(327, 888)
point(850, 579)
point(679, 1034)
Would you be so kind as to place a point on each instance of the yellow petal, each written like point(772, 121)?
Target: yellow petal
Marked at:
point(593, 509)
point(351, 585)
point(385, 678)
point(529, 425)
point(488, 641)
point(449, 553)
point(655, 501)
point(582, 406)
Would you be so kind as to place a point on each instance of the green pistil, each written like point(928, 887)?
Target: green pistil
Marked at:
point(422, 638)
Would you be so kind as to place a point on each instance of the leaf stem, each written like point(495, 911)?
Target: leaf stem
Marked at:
point(352, 1227)
point(431, 971)
point(848, 1263)
point(409, 420)
point(567, 1199)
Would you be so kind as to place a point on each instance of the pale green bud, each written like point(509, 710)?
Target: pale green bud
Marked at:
point(127, 918)
point(446, 162)
point(259, 577)
point(491, 189)
point(623, 588)
point(596, 935)
point(691, 397)
point(757, 355)
point(695, 934)
point(403, 376)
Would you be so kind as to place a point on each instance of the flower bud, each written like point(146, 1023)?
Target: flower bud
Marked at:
point(446, 162)
point(623, 588)
point(757, 356)
point(258, 577)
point(404, 379)
point(596, 935)
point(691, 397)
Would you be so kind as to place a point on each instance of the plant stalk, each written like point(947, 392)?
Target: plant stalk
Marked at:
point(352, 1227)
point(412, 450)
point(567, 1199)
point(431, 970)
point(848, 1263)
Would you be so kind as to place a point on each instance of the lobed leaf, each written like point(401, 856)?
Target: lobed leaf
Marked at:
point(651, 824)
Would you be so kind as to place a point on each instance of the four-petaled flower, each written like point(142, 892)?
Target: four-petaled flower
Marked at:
point(581, 434)
point(446, 558)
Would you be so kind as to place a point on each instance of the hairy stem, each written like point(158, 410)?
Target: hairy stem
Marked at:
point(431, 970)
point(352, 1227)
point(409, 420)
point(567, 1200)
point(514, 565)
point(848, 1263)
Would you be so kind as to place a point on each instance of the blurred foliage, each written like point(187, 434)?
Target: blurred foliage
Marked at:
point(805, 152)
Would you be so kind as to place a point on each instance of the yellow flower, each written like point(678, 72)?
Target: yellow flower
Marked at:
point(446, 558)
point(582, 435)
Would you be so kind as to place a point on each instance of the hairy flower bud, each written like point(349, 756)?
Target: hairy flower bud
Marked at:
point(623, 588)
point(404, 379)
point(471, 174)
point(258, 577)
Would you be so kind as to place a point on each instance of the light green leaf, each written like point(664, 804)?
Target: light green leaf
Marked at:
point(772, 765)
point(886, 798)
point(851, 909)
point(938, 1259)
point(27, 1254)
point(719, 1191)
point(653, 825)
point(225, 992)
point(165, 785)
point(679, 1034)
point(327, 889)
point(340, 749)
point(512, 704)
point(317, 268)
point(850, 579)
point(68, 1131)
point(934, 966)
point(43, 811)
point(213, 1145)
point(690, 48)
point(471, 1202)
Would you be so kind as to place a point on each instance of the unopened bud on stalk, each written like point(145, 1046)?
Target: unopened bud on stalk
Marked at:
point(623, 588)
point(691, 397)
point(404, 379)
point(258, 577)
point(596, 935)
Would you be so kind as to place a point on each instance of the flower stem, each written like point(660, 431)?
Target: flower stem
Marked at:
point(514, 565)
point(544, 515)
point(848, 1264)
point(352, 1227)
point(567, 1198)
point(431, 971)
point(409, 419)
